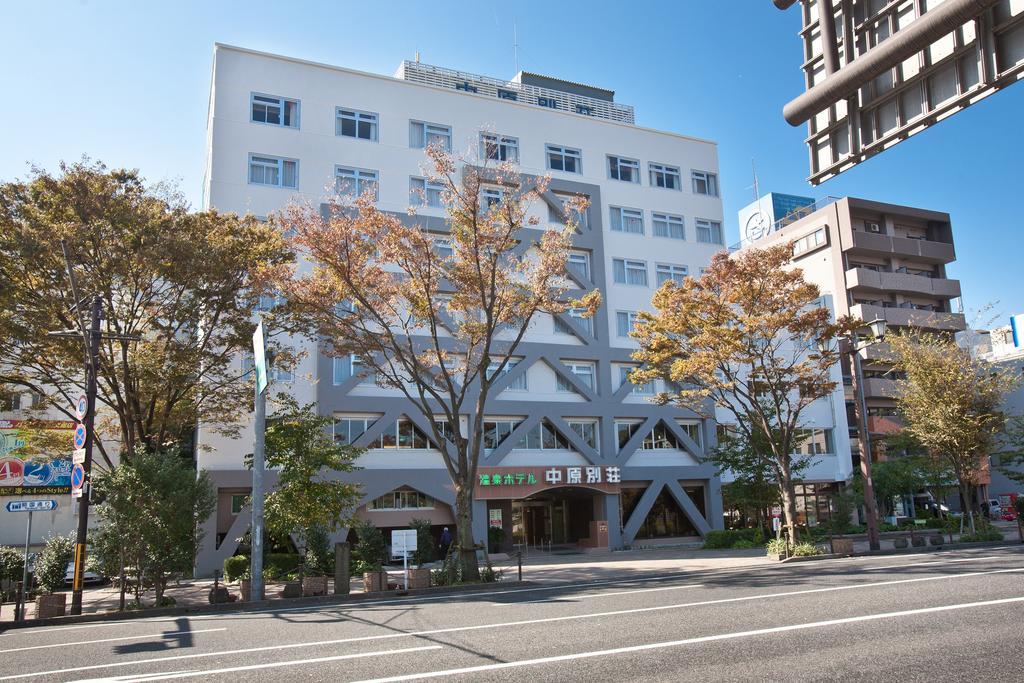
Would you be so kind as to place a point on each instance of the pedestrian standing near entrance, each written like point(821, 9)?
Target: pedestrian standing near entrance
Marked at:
point(446, 541)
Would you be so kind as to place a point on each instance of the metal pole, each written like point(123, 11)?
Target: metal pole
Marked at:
point(827, 26)
point(860, 411)
point(24, 569)
point(256, 560)
point(92, 371)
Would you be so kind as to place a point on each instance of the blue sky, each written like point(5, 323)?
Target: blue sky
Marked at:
point(127, 83)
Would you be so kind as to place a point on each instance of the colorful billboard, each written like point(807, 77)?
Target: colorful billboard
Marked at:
point(35, 457)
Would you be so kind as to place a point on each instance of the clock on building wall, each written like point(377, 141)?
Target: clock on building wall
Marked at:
point(757, 227)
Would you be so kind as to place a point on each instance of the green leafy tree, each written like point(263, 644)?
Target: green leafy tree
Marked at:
point(425, 550)
point(1011, 457)
point(308, 499)
point(12, 564)
point(754, 489)
point(951, 402)
point(51, 567)
point(750, 338)
point(154, 505)
point(182, 280)
point(370, 550)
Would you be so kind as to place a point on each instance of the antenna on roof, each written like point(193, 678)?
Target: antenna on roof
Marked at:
point(417, 56)
point(757, 195)
point(515, 44)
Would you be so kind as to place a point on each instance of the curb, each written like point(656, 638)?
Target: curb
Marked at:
point(903, 551)
point(257, 606)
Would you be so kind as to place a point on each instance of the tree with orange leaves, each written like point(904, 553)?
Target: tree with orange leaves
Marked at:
point(752, 338)
point(436, 316)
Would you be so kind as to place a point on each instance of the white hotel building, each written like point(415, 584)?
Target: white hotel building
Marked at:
point(627, 471)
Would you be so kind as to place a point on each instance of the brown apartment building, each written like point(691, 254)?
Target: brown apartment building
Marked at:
point(877, 261)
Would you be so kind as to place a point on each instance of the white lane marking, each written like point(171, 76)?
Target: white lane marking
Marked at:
point(679, 574)
point(690, 641)
point(271, 665)
point(524, 622)
point(592, 596)
point(110, 640)
point(922, 564)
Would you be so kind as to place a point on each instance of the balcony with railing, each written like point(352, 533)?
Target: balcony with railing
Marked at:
point(879, 387)
point(906, 282)
point(885, 424)
point(910, 317)
point(876, 244)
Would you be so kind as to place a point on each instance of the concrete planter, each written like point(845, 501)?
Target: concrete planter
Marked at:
point(419, 578)
point(52, 605)
point(918, 541)
point(899, 543)
point(776, 557)
point(375, 581)
point(842, 546)
point(314, 585)
point(291, 589)
point(245, 588)
point(936, 539)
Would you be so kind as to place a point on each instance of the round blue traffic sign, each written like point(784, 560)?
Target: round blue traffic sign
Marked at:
point(81, 407)
point(77, 477)
point(80, 436)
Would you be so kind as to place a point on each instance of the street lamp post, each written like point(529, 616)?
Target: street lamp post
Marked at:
point(877, 329)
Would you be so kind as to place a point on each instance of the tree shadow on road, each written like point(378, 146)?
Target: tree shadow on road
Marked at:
point(178, 637)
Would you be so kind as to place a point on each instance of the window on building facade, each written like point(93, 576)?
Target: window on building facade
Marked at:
point(646, 389)
point(402, 500)
point(584, 323)
point(584, 372)
point(809, 242)
point(423, 135)
point(709, 231)
point(355, 182)
point(491, 197)
point(564, 159)
point(627, 220)
point(586, 429)
point(626, 170)
point(517, 384)
point(543, 437)
point(273, 171)
point(558, 215)
point(579, 263)
point(705, 183)
point(425, 193)
point(668, 271)
point(238, 502)
point(352, 123)
point(629, 272)
point(345, 367)
point(661, 438)
point(815, 442)
point(624, 322)
point(665, 176)
point(499, 147)
point(668, 225)
point(693, 431)
point(276, 111)
point(497, 430)
point(349, 428)
point(443, 247)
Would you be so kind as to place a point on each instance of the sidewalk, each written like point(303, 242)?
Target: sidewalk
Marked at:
point(538, 566)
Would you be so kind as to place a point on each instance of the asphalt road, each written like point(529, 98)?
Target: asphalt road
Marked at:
point(937, 617)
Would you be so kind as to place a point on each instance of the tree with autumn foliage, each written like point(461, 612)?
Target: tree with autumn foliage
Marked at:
point(179, 279)
point(752, 338)
point(440, 325)
point(951, 401)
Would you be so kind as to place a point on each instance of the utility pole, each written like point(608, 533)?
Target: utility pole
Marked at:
point(91, 371)
point(90, 337)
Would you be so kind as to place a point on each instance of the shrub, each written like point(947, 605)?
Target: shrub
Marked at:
point(776, 546)
point(424, 542)
point(989, 534)
point(718, 540)
point(490, 575)
point(744, 544)
point(235, 566)
point(11, 563)
point(52, 564)
point(370, 548)
point(805, 550)
point(278, 565)
point(319, 558)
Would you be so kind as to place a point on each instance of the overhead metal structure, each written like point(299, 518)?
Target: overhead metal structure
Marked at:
point(883, 70)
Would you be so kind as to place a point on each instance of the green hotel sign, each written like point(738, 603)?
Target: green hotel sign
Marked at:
point(508, 479)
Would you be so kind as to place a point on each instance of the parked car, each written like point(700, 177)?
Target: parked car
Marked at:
point(995, 510)
point(87, 576)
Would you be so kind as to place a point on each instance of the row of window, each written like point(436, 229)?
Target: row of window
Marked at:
point(633, 272)
point(624, 219)
point(364, 125)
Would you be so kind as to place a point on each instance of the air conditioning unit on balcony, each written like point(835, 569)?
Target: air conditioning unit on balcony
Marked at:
point(871, 226)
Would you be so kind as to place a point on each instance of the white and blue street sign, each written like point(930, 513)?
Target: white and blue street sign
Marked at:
point(80, 436)
point(81, 407)
point(31, 505)
point(77, 476)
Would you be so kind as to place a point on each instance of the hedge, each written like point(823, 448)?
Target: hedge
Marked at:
point(719, 540)
point(275, 565)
